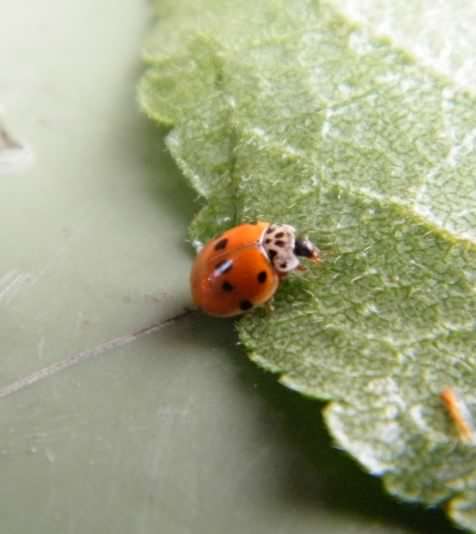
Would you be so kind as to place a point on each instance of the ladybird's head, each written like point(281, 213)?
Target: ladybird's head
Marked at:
point(283, 248)
point(305, 247)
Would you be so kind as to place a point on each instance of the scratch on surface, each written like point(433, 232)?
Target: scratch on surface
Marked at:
point(11, 283)
point(79, 357)
point(40, 348)
point(77, 324)
point(13, 155)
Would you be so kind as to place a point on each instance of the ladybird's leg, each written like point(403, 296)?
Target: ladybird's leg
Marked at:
point(268, 306)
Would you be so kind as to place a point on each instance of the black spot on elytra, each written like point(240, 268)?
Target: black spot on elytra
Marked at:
point(224, 266)
point(262, 277)
point(280, 234)
point(267, 240)
point(221, 245)
point(245, 305)
point(227, 286)
point(283, 265)
point(278, 243)
point(272, 254)
point(269, 230)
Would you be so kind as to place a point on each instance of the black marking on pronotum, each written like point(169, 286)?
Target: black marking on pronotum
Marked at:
point(272, 254)
point(280, 234)
point(283, 265)
point(223, 267)
point(227, 286)
point(221, 245)
point(262, 277)
point(267, 240)
point(269, 230)
point(279, 243)
point(245, 305)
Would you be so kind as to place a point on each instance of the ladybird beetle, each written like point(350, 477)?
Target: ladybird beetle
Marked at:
point(242, 267)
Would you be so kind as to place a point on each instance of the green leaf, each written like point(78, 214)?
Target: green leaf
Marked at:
point(308, 114)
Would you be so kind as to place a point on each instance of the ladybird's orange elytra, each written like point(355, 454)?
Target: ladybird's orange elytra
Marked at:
point(242, 267)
